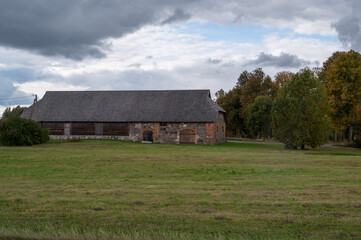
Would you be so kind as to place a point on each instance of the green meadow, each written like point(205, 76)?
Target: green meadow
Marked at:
point(108, 189)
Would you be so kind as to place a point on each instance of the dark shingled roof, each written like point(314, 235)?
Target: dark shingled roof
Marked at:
point(126, 106)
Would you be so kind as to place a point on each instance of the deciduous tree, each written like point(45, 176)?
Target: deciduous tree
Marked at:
point(14, 112)
point(341, 74)
point(231, 104)
point(258, 84)
point(259, 117)
point(219, 93)
point(242, 80)
point(300, 112)
point(281, 79)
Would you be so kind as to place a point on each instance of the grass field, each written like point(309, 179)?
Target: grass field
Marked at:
point(104, 189)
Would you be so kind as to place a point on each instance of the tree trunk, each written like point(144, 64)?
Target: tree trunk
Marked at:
point(335, 136)
point(243, 134)
point(341, 134)
point(350, 134)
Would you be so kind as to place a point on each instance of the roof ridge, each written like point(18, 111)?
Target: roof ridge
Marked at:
point(162, 90)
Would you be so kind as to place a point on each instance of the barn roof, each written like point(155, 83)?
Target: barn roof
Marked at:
point(126, 106)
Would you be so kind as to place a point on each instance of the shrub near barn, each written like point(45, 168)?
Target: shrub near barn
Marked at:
point(16, 131)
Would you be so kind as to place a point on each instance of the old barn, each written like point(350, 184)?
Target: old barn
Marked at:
point(170, 116)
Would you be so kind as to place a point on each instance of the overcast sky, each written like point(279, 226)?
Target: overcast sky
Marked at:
point(156, 44)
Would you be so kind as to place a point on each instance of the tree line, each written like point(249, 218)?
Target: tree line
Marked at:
point(307, 108)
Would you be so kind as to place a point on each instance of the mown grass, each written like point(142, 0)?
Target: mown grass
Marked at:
point(104, 189)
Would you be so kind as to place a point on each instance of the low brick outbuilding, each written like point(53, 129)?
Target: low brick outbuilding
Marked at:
point(170, 116)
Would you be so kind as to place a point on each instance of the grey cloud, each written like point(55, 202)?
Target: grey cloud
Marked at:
point(75, 28)
point(349, 27)
point(9, 94)
point(179, 15)
point(6, 89)
point(285, 60)
point(75, 52)
point(213, 61)
point(186, 77)
point(349, 32)
point(230, 64)
point(135, 65)
point(132, 79)
point(265, 12)
point(18, 75)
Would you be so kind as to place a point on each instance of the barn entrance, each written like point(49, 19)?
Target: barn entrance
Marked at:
point(187, 136)
point(148, 136)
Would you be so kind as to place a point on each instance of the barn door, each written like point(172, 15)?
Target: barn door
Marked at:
point(187, 136)
point(148, 136)
point(66, 128)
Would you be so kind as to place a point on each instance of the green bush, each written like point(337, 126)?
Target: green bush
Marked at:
point(17, 131)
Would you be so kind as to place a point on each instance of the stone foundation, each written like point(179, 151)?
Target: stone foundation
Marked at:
point(201, 133)
point(64, 137)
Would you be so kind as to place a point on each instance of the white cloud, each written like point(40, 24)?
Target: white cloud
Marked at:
point(321, 27)
point(306, 48)
point(306, 17)
point(159, 58)
point(302, 26)
point(40, 87)
point(156, 48)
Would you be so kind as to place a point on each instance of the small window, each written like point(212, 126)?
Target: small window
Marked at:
point(136, 131)
point(116, 129)
point(201, 131)
point(217, 129)
point(54, 128)
point(222, 128)
point(163, 124)
point(83, 128)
